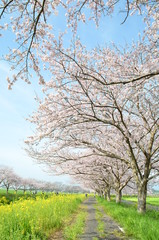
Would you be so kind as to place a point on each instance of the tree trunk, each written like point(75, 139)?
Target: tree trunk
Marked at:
point(142, 194)
point(101, 194)
point(118, 196)
point(108, 195)
point(105, 194)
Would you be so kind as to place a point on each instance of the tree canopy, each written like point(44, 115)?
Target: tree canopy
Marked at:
point(99, 120)
point(32, 25)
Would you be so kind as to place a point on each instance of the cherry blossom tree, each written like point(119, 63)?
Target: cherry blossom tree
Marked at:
point(24, 185)
point(105, 174)
point(90, 169)
point(8, 177)
point(31, 23)
point(121, 176)
point(17, 183)
point(117, 121)
point(2, 174)
point(108, 174)
point(32, 185)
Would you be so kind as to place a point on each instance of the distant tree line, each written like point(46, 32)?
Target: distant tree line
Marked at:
point(10, 180)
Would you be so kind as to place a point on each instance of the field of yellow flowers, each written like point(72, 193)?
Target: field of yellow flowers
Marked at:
point(36, 218)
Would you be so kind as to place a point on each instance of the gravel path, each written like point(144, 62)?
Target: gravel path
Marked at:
point(111, 230)
point(91, 223)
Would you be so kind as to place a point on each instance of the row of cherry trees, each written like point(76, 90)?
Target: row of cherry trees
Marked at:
point(10, 180)
point(99, 119)
point(84, 117)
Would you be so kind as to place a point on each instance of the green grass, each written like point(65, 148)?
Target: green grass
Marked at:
point(138, 226)
point(100, 227)
point(12, 196)
point(12, 192)
point(153, 200)
point(73, 231)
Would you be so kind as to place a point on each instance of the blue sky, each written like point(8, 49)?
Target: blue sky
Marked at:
point(16, 105)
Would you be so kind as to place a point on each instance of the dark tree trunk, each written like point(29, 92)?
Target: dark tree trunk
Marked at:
point(101, 194)
point(142, 194)
point(108, 195)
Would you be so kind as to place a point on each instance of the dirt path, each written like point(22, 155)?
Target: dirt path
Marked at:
point(91, 223)
point(99, 225)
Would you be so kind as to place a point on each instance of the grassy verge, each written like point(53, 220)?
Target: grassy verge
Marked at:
point(150, 200)
point(143, 227)
point(73, 231)
point(99, 217)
